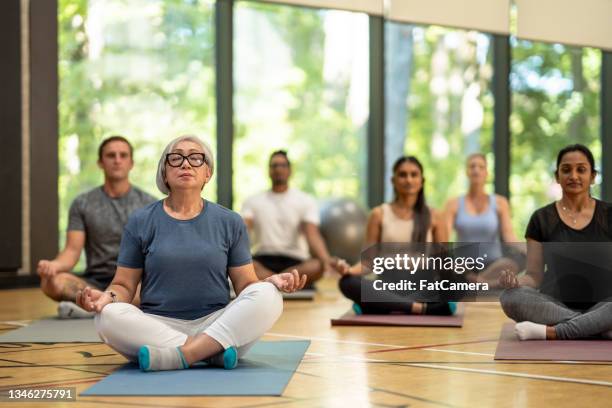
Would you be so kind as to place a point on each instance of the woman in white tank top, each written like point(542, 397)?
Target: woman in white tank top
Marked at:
point(406, 219)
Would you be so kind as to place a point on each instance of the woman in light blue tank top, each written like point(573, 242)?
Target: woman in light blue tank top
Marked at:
point(484, 218)
point(480, 227)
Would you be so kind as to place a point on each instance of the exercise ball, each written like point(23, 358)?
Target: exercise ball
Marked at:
point(343, 225)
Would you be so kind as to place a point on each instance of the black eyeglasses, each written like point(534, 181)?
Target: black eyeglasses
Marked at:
point(177, 159)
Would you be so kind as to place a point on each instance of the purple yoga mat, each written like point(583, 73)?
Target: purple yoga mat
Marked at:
point(350, 319)
point(511, 348)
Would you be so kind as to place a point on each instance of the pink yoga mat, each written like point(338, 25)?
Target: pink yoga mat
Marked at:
point(350, 319)
point(511, 348)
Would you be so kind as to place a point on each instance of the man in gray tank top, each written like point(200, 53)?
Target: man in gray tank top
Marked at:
point(96, 221)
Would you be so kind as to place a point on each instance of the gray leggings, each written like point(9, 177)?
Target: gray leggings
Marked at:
point(527, 304)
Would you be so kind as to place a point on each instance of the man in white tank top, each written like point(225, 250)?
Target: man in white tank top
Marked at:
point(284, 223)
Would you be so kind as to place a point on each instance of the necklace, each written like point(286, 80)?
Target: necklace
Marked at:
point(574, 218)
point(569, 214)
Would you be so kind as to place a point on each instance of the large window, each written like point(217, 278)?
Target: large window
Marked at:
point(301, 84)
point(439, 105)
point(143, 69)
point(555, 102)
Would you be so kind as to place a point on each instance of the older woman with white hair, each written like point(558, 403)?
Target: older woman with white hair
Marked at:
point(182, 249)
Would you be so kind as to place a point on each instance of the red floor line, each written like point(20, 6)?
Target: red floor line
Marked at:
point(431, 345)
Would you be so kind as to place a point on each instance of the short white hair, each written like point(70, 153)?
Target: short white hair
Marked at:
point(161, 166)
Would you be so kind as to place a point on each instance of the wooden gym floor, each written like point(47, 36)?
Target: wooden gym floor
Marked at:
point(344, 366)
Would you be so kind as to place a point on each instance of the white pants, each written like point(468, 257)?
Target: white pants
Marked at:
point(125, 328)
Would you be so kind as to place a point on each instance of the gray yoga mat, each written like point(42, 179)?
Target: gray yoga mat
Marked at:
point(511, 348)
point(54, 330)
point(304, 294)
point(266, 370)
point(351, 319)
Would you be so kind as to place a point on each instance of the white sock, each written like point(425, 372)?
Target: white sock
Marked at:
point(607, 335)
point(530, 331)
point(151, 358)
point(70, 310)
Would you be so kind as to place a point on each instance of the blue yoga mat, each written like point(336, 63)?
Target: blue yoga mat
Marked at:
point(265, 370)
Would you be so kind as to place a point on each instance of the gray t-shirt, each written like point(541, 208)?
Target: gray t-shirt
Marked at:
point(185, 262)
point(102, 218)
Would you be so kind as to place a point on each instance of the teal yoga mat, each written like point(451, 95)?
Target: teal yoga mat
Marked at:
point(350, 319)
point(54, 330)
point(265, 370)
